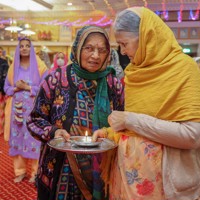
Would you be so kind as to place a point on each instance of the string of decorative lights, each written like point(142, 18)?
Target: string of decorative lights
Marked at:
point(100, 22)
point(196, 16)
point(165, 12)
point(106, 23)
point(180, 13)
point(5, 21)
point(84, 23)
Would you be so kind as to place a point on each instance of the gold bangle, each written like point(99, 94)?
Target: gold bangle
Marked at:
point(105, 132)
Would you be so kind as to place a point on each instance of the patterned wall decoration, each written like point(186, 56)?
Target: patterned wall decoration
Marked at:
point(187, 32)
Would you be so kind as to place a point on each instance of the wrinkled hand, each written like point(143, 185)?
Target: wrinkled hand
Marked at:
point(117, 120)
point(62, 133)
point(100, 133)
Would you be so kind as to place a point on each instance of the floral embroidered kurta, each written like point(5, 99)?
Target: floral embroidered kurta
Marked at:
point(52, 110)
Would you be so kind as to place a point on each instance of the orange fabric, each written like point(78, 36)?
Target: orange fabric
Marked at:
point(8, 108)
point(20, 165)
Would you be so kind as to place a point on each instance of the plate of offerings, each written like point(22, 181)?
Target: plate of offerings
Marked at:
point(82, 145)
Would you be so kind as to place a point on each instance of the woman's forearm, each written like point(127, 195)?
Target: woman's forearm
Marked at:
point(184, 135)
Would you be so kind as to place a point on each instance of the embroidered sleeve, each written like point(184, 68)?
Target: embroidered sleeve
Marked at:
point(9, 90)
point(39, 121)
point(35, 88)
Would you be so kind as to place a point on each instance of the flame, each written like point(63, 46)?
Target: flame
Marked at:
point(86, 133)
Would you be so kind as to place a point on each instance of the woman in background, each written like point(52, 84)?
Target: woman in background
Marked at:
point(21, 86)
point(114, 62)
point(3, 73)
point(60, 60)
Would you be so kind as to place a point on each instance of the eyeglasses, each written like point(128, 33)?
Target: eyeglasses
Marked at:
point(91, 49)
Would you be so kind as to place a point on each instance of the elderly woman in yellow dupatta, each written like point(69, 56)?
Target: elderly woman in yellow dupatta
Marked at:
point(158, 154)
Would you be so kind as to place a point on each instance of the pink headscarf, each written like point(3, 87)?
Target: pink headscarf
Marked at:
point(55, 65)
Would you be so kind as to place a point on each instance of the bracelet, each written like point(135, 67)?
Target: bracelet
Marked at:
point(105, 132)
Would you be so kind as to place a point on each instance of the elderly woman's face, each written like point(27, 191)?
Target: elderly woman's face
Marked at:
point(94, 52)
point(128, 43)
point(25, 48)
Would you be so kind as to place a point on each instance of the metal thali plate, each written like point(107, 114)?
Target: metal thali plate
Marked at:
point(79, 145)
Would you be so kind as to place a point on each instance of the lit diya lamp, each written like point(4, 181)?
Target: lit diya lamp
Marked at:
point(86, 136)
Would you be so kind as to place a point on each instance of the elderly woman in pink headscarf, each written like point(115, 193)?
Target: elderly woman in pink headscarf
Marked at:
point(60, 60)
point(21, 86)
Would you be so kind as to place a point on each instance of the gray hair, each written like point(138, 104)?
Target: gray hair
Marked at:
point(197, 59)
point(127, 21)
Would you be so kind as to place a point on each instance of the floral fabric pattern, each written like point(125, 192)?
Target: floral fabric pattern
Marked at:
point(137, 181)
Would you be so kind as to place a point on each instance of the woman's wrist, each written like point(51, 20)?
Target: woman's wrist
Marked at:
point(109, 133)
point(105, 132)
point(16, 89)
point(28, 88)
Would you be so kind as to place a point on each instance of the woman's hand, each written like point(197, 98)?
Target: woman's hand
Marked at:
point(100, 133)
point(22, 85)
point(117, 120)
point(62, 133)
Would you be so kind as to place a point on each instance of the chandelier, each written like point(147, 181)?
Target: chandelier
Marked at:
point(27, 32)
point(13, 26)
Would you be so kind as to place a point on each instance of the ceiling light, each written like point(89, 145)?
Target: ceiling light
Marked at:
point(27, 32)
point(13, 28)
point(33, 5)
point(26, 25)
point(69, 4)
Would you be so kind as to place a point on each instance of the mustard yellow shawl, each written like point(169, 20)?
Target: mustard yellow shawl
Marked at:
point(42, 69)
point(162, 81)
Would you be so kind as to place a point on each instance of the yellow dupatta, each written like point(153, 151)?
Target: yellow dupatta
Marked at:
point(8, 108)
point(162, 82)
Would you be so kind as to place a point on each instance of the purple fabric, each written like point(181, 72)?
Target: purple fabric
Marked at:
point(21, 142)
point(34, 72)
